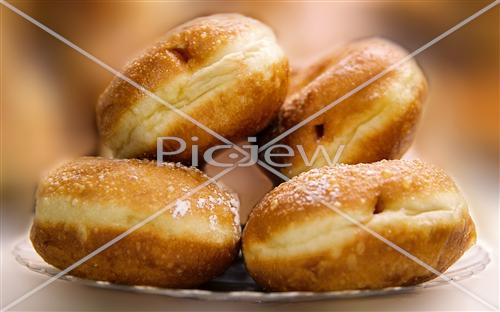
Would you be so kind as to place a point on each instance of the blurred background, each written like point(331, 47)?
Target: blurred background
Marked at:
point(49, 91)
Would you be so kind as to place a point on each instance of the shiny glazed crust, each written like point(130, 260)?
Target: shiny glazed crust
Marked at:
point(225, 71)
point(87, 202)
point(376, 123)
point(293, 241)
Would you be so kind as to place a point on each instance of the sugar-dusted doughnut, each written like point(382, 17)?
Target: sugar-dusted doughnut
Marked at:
point(87, 202)
point(294, 240)
point(226, 71)
point(378, 122)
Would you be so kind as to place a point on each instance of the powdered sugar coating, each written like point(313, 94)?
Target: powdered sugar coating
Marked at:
point(181, 208)
point(200, 203)
point(141, 187)
point(356, 189)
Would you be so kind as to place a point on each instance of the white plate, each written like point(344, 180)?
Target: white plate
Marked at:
point(236, 285)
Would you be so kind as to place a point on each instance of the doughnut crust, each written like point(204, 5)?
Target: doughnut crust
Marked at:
point(86, 202)
point(225, 71)
point(292, 241)
point(376, 123)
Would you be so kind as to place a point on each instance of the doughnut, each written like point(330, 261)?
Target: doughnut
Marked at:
point(87, 202)
point(226, 71)
point(295, 241)
point(376, 123)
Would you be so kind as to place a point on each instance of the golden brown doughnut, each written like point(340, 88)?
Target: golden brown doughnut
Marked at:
point(226, 71)
point(292, 241)
point(376, 123)
point(85, 203)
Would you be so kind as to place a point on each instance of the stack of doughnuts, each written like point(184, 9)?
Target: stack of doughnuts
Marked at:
point(325, 229)
point(225, 71)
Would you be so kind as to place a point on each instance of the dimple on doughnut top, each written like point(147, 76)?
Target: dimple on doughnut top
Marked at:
point(226, 71)
point(378, 122)
point(87, 202)
point(294, 240)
